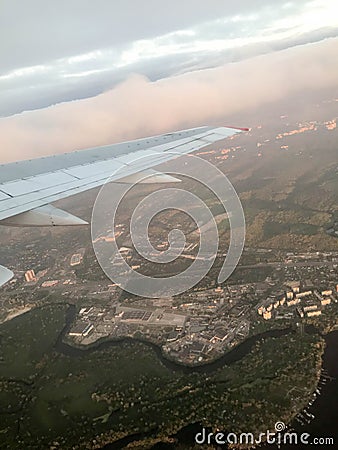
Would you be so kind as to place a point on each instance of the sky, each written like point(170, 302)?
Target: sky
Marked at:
point(78, 73)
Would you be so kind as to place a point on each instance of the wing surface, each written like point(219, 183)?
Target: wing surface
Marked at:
point(28, 187)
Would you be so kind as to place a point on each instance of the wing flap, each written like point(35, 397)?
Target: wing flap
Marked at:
point(43, 216)
point(35, 184)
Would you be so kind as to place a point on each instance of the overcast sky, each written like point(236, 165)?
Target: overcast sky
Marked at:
point(122, 51)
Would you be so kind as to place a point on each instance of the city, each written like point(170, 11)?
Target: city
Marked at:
point(196, 327)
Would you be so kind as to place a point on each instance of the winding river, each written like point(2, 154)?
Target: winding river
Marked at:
point(324, 408)
point(229, 358)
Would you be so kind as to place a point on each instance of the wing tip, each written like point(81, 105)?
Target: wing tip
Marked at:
point(239, 128)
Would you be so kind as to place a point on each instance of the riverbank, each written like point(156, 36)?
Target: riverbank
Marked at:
point(323, 409)
point(16, 312)
point(318, 418)
point(230, 358)
point(73, 350)
point(129, 390)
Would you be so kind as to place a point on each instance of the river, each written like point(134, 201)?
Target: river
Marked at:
point(229, 358)
point(324, 408)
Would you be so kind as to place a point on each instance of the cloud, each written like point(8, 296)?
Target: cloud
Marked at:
point(93, 73)
point(77, 48)
point(138, 107)
point(37, 31)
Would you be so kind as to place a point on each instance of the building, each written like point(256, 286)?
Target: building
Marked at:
point(172, 336)
point(325, 301)
point(267, 315)
point(81, 329)
point(77, 258)
point(310, 308)
point(49, 283)
point(30, 276)
point(293, 302)
point(260, 310)
point(287, 315)
point(294, 286)
point(86, 311)
point(314, 313)
point(137, 315)
point(317, 294)
point(78, 329)
point(220, 335)
point(303, 294)
point(327, 292)
point(89, 328)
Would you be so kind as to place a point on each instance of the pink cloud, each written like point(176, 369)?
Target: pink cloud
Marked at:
point(138, 107)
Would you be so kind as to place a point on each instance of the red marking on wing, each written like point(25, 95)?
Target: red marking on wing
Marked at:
point(239, 128)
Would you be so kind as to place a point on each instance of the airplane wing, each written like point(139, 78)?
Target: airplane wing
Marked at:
point(28, 187)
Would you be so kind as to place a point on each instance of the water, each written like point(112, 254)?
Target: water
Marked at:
point(229, 358)
point(324, 408)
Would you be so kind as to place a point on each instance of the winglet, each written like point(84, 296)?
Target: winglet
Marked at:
point(5, 275)
point(240, 128)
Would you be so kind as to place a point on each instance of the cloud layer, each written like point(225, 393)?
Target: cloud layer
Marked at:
point(73, 49)
point(37, 31)
point(138, 107)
